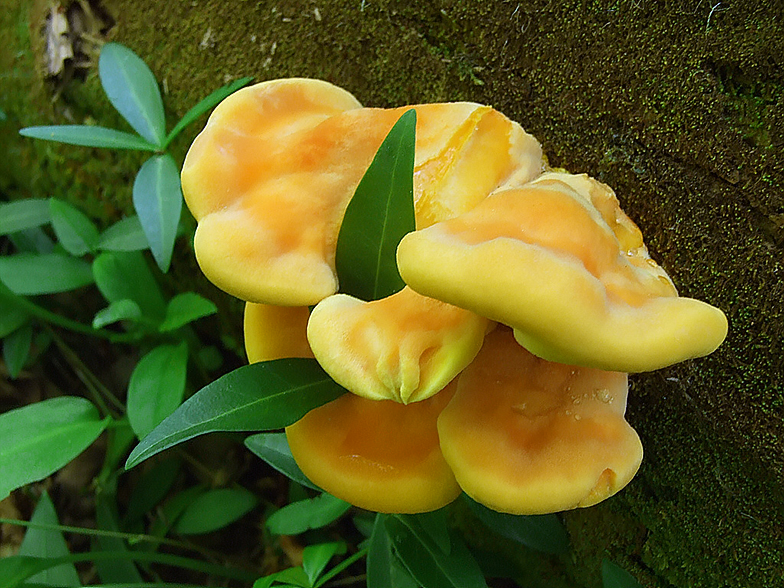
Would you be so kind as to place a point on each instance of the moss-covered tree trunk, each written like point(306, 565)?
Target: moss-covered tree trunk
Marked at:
point(678, 105)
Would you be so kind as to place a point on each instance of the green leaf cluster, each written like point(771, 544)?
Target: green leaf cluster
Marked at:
point(157, 196)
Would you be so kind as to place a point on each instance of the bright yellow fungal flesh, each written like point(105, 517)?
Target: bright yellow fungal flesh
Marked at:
point(527, 436)
point(405, 347)
point(270, 176)
point(559, 261)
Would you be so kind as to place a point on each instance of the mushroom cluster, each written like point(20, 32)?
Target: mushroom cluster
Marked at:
point(500, 369)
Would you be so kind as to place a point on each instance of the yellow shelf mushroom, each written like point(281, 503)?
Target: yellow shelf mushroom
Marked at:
point(560, 262)
point(270, 176)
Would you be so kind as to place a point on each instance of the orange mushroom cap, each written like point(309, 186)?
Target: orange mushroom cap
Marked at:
point(527, 436)
point(270, 176)
point(376, 454)
point(275, 332)
point(558, 260)
point(405, 347)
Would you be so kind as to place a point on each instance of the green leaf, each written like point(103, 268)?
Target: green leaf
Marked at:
point(133, 91)
point(39, 439)
point(204, 105)
point(157, 387)
point(23, 214)
point(32, 240)
point(274, 449)
point(89, 136)
point(152, 488)
point(316, 557)
point(11, 317)
point(427, 562)
point(29, 274)
point(303, 515)
point(16, 349)
point(157, 199)
point(614, 576)
point(76, 233)
point(173, 508)
point(123, 570)
point(185, 308)
point(214, 510)
point(383, 568)
point(378, 216)
point(124, 235)
point(544, 533)
point(17, 568)
point(122, 275)
point(47, 543)
point(120, 310)
point(261, 396)
point(290, 577)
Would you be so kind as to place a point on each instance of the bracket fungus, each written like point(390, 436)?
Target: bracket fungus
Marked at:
point(527, 419)
point(560, 262)
point(270, 176)
point(405, 347)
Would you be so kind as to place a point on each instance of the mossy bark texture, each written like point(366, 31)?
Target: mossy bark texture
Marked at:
point(678, 105)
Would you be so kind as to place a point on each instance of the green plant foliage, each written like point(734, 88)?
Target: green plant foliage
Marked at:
point(185, 308)
point(39, 439)
point(614, 576)
point(11, 317)
point(380, 213)
point(544, 533)
point(157, 387)
point(132, 89)
point(124, 235)
point(157, 199)
point(384, 570)
point(31, 274)
point(121, 570)
point(152, 488)
point(214, 510)
point(48, 543)
point(126, 276)
point(119, 310)
point(16, 349)
point(316, 557)
point(427, 561)
point(261, 396)
point(89, 136)
point(76, 233)
point(274, 449)
point(23, 214)
point(303, 515)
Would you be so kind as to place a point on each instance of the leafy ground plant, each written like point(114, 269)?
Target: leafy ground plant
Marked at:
point(150, 518)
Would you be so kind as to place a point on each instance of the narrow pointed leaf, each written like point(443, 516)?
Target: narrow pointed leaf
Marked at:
point(544, 533)
point(39, 439)
point(378, 216)
point(261, 396)
point(214, 510)
point(76, 233)
point(614, 576)
point(157, 199)
point(29, 274)
point(185, 308)
point(48, 543)
point(16, 349)
point(23, 214)
point(316, 557)
point(89, 136)
point(157, 386)
point(122, 275)
point(427, 562)
point(303, 515)
point(11, 317)
point(133, 91)
point(120, 310)
point(124, 235)
point(206, 104)
point(274, 449)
